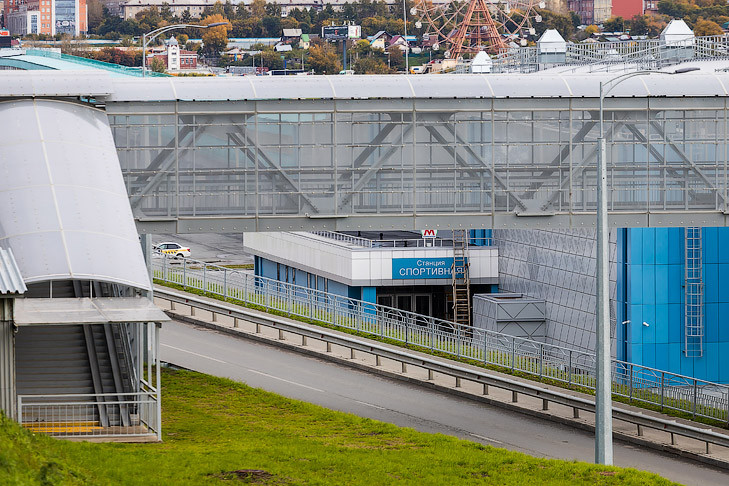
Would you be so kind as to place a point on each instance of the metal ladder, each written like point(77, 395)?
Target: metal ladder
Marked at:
point(461, 281)
point(694, 295)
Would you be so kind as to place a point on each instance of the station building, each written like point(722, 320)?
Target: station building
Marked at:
point(669, 306)
point(399, 269)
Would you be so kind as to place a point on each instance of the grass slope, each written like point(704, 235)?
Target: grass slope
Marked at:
point(217, 430)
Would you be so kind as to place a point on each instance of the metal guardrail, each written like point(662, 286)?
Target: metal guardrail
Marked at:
point(624, 55)
point(77, 415)
point(454, 370)
point(634, 382)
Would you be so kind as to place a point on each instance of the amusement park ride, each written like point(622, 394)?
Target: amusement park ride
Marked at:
point(477, 25)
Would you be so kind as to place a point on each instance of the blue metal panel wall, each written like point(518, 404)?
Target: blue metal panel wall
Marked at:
point(479, 237)
point(651, 291)
point(269, 269)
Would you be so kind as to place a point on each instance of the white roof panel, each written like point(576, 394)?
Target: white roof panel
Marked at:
point(65, 211)
point(102, 310)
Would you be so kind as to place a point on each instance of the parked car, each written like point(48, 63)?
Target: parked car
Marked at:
point(173, 249)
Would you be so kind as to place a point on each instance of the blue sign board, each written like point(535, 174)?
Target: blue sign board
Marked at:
point(419, 268)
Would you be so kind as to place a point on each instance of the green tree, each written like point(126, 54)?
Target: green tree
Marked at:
point(614, 24)
point(95, 13)
point(157, 65)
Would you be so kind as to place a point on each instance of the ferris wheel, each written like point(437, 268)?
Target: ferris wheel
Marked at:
point(471, 26)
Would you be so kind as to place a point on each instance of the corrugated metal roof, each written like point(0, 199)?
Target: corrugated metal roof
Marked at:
point(11, 281)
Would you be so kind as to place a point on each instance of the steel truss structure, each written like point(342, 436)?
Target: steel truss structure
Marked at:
point(479, 161)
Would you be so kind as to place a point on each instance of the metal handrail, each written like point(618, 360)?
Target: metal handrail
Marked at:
point(456, 370)
point(395, 243)
point(634, 382)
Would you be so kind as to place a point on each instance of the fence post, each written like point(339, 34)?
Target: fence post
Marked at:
point(569, 379)
point(432, 338)
point(513, 352)
point(205, 278)
point(696, 392)
point(225, 283)
point(630, 395)
point(485, 346)
point(458, 342)
point(334, 311)
point(245, 288)
point(541, 359)
point(407, 328)
point(663, 389)
point(164, 269)
point(184, 273)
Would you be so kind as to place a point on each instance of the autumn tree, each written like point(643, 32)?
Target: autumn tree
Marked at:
point(324, 59)
point(707, 27)
point(370, 65)
point(215, 39)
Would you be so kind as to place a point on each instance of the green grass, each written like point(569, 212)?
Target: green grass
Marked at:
point(214, 426)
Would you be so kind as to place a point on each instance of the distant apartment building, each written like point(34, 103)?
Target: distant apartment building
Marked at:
point(23, 21)
point(129, 9)
point(628, 8)
point(49, 17)
point(591, 11)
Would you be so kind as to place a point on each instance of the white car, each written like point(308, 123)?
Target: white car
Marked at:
point(173, 249)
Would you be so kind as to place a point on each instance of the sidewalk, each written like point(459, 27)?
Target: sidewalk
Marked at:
point(655, 439)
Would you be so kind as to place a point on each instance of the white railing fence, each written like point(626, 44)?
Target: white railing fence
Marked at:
point(78, 415)
point(634, 382)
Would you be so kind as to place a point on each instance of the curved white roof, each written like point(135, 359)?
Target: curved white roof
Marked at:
point(456, 86)
point(65, 211)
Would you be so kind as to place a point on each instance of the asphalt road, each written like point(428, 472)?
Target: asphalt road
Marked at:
point(221, 249)
point(341, 388)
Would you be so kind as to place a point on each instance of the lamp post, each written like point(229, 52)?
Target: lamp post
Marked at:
point(407, 46)
point(150, 36)
point(603, 395)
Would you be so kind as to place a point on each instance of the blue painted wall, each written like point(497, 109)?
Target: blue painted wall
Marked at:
point(270, 269)
point(650, 290)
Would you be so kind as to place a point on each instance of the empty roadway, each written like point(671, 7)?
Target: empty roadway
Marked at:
point(342, 388)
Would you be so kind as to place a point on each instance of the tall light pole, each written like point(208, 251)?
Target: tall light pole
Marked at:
point(150, 36)
point(407, 45)
point(603, 394)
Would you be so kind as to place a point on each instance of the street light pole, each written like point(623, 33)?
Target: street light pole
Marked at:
point(150, 36)
point(407, 45)
point(603, 393)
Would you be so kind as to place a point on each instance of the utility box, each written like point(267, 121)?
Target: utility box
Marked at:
point(511, 313)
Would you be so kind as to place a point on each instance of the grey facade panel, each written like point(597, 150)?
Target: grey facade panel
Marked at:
point(559, 267)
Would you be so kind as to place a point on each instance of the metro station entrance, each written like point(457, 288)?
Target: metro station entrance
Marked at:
point(418, 303)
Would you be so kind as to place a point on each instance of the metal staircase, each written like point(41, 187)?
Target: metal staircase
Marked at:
point(461, 281)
